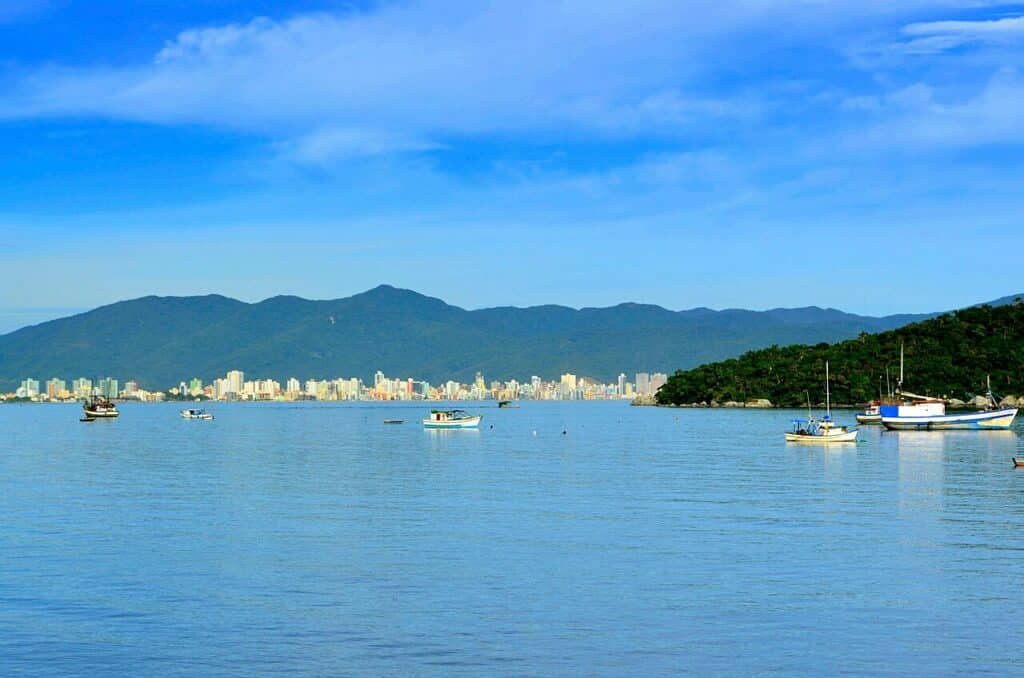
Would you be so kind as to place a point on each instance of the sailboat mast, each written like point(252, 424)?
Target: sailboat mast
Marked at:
point(899, 386)
point(828, 401)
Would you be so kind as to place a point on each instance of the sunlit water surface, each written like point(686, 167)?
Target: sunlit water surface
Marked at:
point(316, 539)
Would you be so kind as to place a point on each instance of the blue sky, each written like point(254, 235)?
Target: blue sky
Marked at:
point(865, 155)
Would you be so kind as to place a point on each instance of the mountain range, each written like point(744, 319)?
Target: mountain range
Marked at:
point(159, 341)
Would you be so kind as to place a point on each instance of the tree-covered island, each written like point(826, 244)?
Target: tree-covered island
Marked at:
point(948, 356)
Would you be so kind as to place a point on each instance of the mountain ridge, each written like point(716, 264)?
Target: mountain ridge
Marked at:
point(160, 340)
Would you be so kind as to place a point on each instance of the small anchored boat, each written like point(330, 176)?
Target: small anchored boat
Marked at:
point(394, 421)
point(820, 432)
point(872, 414)
point(99, 407)
point(193, 413)
point(1018, 462)
point(824, 431)
point(451, 419)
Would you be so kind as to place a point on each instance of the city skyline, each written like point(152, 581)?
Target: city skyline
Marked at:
point(234, 387)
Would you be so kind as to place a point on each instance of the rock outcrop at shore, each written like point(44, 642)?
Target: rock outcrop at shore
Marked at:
point(757, 403)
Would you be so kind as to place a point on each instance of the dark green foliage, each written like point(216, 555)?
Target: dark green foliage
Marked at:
point(948, 356)
point(160, 341)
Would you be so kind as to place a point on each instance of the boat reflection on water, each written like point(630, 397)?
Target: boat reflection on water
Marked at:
point(453, 440)
point(930, 463)
point(939, 445)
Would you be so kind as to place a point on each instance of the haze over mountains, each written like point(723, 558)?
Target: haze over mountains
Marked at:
point(160, 341)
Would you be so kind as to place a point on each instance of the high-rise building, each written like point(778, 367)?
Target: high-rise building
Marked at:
point(82, 387)
point(55, 388)
point(236, 381)
point(108, 387)
point(293, 387)
point(643, 383)
point(30, 388)
point(657, 381)
point(195, 386)
point(622, 385)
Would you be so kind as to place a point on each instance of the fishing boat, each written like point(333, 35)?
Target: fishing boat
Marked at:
point(451, 419)
point(99, 407)
point(920, 413)
point(872, 414)
point(923, 413)
point(824, 431)
point(193, 413)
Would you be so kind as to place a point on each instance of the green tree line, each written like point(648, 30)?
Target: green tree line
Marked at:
point(948, 356)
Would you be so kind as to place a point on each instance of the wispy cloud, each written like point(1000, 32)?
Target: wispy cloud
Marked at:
point(408, 76)
point(937, 36)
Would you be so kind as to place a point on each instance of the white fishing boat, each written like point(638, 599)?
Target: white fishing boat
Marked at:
point(99, 407)
point(823, 431)
point(451, 419)
point(872, 414)
point(923, 413)
point(193, 413)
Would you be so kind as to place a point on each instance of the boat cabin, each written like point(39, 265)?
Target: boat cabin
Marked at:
point(441, 416)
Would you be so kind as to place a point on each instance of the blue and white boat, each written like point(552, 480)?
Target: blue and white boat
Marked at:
point(452, 419)
point(922, 413)
point(930, 415)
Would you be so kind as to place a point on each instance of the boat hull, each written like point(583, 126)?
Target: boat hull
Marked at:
point(869, 419)
point(997, 420)
point(470, 422)
point(845, 437)
point(95, 414)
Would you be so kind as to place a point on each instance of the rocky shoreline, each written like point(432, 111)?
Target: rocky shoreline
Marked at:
point(976, 403)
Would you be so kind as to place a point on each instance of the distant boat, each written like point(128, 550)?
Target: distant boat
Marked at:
point(922, 413)
point(193, 413)
point(505, 404)
point(1018, 462)
point(451, 419)
point(823, 432)
point(394, 421)
point(872, 414)
point(99, 407)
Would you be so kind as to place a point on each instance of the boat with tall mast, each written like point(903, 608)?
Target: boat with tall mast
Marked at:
point(824, 431)
point(914, 412)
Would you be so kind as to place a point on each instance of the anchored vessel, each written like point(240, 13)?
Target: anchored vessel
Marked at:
point(99, 407)
point(922, 413)
point(919, 413)
point(872, 414)
point(196, 414)
point(451, 419)
point(820, 432)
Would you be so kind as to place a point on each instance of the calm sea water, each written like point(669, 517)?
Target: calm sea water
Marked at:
point(314, 539)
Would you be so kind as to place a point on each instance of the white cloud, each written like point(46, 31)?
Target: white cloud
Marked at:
point(938, 36)
point(409, 75)
point(918, 118)
point(325, 146)
point(973, 29)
